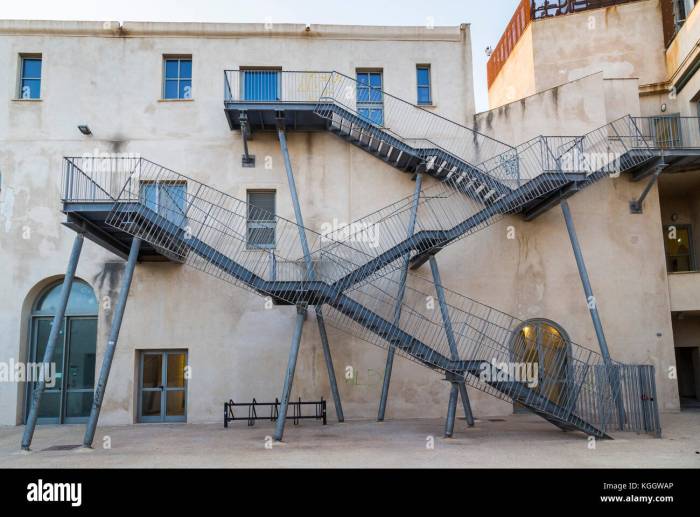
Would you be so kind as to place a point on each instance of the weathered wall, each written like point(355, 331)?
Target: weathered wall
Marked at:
point(570, 109)
point(111, 80)
point(622, 41)
point(624, 253)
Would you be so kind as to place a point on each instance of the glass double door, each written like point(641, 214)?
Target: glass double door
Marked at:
point(69, 392)
point(163, 386)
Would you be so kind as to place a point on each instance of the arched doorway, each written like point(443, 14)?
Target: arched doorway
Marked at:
point(546, 346)
point(69, 398)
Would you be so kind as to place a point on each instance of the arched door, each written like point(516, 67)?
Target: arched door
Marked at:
point(544, 347)
point(68, 396)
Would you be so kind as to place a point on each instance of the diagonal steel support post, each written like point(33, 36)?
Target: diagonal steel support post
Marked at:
point(399, 300)
point(111, 343)
point(458, 387)
point(593, 308)
point(51, 344)
point(637, 205)
point(289, 376)
point(311, 275)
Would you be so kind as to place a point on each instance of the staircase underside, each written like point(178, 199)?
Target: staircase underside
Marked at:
point(304, 117)
point(91, 218)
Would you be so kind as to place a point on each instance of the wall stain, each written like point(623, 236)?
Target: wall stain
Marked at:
point(108, 281)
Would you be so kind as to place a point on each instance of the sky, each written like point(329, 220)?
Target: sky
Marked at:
point(488, 18)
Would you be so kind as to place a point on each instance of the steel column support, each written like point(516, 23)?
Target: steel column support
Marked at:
point(311, 274)
point(451, 410)
point(289, 376)
point(51, 344)
point(399, 300)
point(593, 308)
point(466, 404)
point(329, 364)
point(637, 205)
point(111, 343)
point(449, 332)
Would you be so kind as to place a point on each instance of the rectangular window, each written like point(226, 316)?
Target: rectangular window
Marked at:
point(261, 220)
point(370, 97)
point(177, 77)
point(667, 131)
point(166, 198)
point(680, 255)
point(425, 96)
point(261, 85)
point(30, 77)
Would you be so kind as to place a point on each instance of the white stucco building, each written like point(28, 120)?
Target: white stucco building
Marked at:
point(157, 91)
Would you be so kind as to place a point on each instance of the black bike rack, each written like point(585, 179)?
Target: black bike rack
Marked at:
point(274, 407)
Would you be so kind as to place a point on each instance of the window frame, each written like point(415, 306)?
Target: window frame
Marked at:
point(179, 58)
point(159, 186)
point(691, 248)
point(370, 105)
point(23, 57)
point(274, 71)
point(428, 86)
point(261, 224)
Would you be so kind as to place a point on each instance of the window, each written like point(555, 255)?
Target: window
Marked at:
point(261, 219)
point(261, 85)
point(370, 98)
point(679, 248)
point(166, 198)
point(423, 80)
point(177, 78)
point(667, 131)
point(681, 11)
point(69, 399)
point(30, 77)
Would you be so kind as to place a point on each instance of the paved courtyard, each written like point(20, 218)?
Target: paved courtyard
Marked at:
point(516, 441)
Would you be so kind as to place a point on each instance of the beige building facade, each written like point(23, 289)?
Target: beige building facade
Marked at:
point(637, 58)
point(156, 90)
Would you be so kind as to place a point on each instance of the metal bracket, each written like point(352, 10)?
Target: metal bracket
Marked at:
point(637, 205)
point(247, 160)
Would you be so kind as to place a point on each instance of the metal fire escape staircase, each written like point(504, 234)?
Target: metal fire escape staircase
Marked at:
point(206, 229)
point(359, 277)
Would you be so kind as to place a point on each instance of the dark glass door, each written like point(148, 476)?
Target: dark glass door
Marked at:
point(68, 394)
point(163, 387)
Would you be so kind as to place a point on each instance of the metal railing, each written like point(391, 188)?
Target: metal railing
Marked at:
point(410, 123)
point(264, 86)
point(96, 178)
point(206, 229)
point(670, 131)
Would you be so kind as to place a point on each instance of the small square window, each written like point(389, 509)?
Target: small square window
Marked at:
point(177, 78)
point(425, 96)
point(261, 220)
point(30, 77)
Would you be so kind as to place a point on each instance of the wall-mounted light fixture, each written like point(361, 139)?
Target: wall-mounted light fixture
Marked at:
point(664, 108)
point(85, 130)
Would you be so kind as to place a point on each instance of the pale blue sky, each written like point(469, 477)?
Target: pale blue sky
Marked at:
point(487, 18)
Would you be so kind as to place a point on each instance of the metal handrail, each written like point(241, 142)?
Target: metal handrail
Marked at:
point(217, 220)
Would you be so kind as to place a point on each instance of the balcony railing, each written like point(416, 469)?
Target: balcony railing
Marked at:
point(271, 85)
point(533, 10)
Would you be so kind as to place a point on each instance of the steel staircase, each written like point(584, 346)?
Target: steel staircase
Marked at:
point(206, 229)
point(355, 273)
